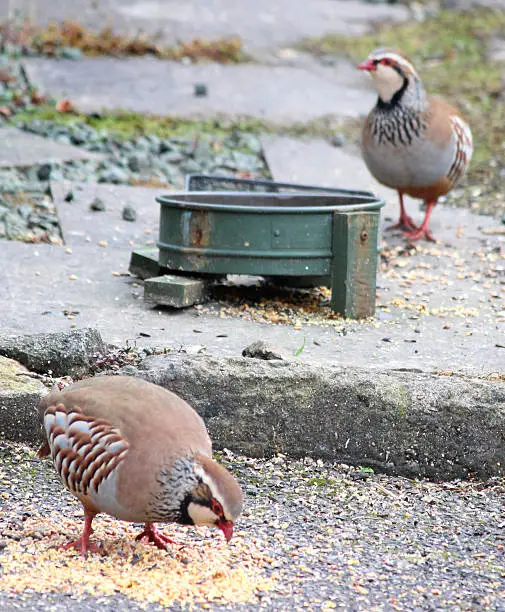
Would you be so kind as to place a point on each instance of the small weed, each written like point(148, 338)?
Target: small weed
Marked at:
point(300, 349)
point(365, 470)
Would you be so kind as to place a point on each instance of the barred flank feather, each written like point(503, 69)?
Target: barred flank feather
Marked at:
point(84, 450)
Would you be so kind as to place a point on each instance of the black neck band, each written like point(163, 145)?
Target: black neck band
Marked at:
point(395, 100)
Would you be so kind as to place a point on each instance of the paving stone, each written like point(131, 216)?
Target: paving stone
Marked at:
point(466, 5)
point(329, 166)
point(46, 289)
point(81, 225)
point(269, 24)
point(280, 94)
point(21, 148)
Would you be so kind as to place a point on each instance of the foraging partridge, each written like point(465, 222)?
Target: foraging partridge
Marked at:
point(412, 142)
point(138, 452)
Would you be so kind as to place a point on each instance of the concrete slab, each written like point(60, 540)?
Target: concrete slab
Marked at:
point(269, 24)
point(316, 162)
point(48, 289)
point(19, 395)
point(398, 422)
point(82, 226)
point(20, 148)
point(280, 94)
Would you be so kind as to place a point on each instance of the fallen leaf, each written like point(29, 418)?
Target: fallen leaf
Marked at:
point(65, 106)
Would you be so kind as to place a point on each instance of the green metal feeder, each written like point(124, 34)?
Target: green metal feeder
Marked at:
point(291, 234)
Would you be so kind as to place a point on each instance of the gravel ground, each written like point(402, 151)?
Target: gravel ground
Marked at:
point(314, 535)
point(29, 216)
point(149, 158)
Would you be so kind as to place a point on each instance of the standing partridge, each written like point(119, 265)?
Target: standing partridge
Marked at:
point(138, 452)
point(412, 142)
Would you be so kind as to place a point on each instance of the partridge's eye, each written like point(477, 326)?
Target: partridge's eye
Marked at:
point(386, 61)
point(216, 507)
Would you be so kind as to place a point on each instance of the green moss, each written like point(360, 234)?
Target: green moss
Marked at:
point(125, 124)
point(321, 482)
point(11, 381)
point(449, 52)
point(400, 397)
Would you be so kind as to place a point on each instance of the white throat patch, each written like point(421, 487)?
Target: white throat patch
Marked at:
point(201, 515)
point(387, 82)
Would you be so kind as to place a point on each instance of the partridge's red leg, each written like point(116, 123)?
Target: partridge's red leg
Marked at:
point(404, 222)
point(423, 229)
point(152, 534)
point(83, 544)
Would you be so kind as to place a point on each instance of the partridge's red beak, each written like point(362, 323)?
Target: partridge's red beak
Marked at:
point(227, 528)
point(367, 65)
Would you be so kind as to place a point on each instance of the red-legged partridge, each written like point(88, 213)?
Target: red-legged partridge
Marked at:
point(412, 142)
point(138, 452)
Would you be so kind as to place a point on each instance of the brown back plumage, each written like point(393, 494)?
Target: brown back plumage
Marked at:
point(139, 409)
point(157, 425)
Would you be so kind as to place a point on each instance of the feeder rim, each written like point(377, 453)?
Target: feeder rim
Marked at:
point(276, 185)
point(183, 200)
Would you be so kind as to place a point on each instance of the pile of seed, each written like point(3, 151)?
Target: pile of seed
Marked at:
point(314, 534)
point(201, 569)
point(423, 281)
point(271, 304)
